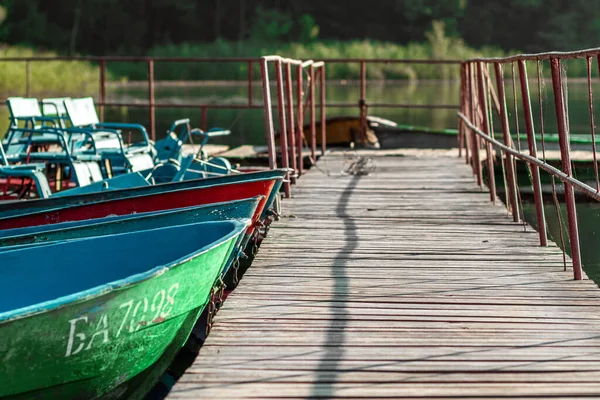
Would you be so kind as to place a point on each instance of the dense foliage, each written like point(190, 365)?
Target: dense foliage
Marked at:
point(136, 26)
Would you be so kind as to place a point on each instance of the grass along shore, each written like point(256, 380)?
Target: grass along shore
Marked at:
point(78, 77)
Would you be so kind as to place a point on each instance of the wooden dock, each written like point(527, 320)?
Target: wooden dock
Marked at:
point(406, 283)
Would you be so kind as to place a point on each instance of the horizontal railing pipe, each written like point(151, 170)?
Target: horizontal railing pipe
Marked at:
point(582, 187)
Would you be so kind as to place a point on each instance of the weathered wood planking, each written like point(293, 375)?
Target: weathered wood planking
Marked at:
point(404, 283)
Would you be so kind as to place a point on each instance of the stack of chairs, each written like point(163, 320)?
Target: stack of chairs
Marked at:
point(60, 143)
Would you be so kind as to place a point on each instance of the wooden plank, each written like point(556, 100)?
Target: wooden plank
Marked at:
point(407, 283)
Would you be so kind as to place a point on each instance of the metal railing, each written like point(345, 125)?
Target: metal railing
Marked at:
point(290, 135)
point(482, 99)
point(204, 108)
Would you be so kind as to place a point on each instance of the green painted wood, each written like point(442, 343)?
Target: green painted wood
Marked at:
point(91, 346)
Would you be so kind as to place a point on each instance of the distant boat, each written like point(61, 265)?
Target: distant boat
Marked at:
point(99, 311)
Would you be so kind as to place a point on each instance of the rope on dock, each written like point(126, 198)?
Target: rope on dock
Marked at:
point(358, 165)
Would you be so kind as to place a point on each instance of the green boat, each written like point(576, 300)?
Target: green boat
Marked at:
point(98, 312)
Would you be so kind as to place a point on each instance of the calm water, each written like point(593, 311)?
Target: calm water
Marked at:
point(588, 218)
point(247, 126)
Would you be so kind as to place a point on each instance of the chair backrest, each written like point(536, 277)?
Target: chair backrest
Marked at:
point(22, 108)
point(81, 111)
point(54, 107)
point(3, 159)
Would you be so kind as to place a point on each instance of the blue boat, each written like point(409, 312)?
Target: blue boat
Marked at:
point(97, 312)
point(242, 210)
point(29, 209)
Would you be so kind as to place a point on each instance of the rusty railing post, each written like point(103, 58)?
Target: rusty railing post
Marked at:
point(535, 171)
point(322, 111)
point(486, 129)
point(290, 119)
point(300, 111)
point(268, 113)
point(461, 105)
point(467, 111)
point(102, 88)
point(313, 117)
point(27, 78)
point(151, 107)
point(565, 156)
point(475, 141)
point(362, 104)
point(283, 136)
point(508, 161)
point(250, 64)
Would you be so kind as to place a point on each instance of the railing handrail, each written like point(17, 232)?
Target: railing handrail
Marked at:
point(475, 118)
point(226, 59)
point(583, 187)
point(561, 55)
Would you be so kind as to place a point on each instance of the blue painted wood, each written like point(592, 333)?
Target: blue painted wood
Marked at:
point(61, 279)
point(125, 181)
point(239, 209)
point(242, 210)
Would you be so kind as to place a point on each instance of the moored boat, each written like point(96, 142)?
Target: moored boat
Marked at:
point(38, 235)
point(142, 199)
point(75, 332)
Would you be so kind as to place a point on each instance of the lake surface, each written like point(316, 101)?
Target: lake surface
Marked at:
point(588, 219)
point(247, 126)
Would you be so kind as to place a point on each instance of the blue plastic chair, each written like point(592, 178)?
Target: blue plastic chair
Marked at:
point(35, 172)
point(173, 166)
point(107, 137)
point(25, 113)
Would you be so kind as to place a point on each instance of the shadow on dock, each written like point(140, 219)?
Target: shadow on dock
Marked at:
point(326, 372)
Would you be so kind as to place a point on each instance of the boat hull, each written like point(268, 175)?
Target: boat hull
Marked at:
point(89, 347)
point(142, 203)
point(17, 208)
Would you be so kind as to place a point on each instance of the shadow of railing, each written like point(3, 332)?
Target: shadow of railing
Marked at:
point(333, 346)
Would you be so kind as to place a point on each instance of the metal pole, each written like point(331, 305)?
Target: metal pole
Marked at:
point(300, 111)
point(535, 171)
point(290, 117)
point(313, 117)
point(475, 141)
point(466, 111)
point(282, 127)
point(250, 83)
point(151, 107)
point(461, 102)
point(362, 104)
point(27, 78)
point(508, 164)
point(322, 109)
point(467, 131)
point(268, 113)
point(486, 129)
point(102, 88)
point(565, 156)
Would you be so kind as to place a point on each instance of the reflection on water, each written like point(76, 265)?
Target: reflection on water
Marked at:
point(588, 216)
point(248, 125)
